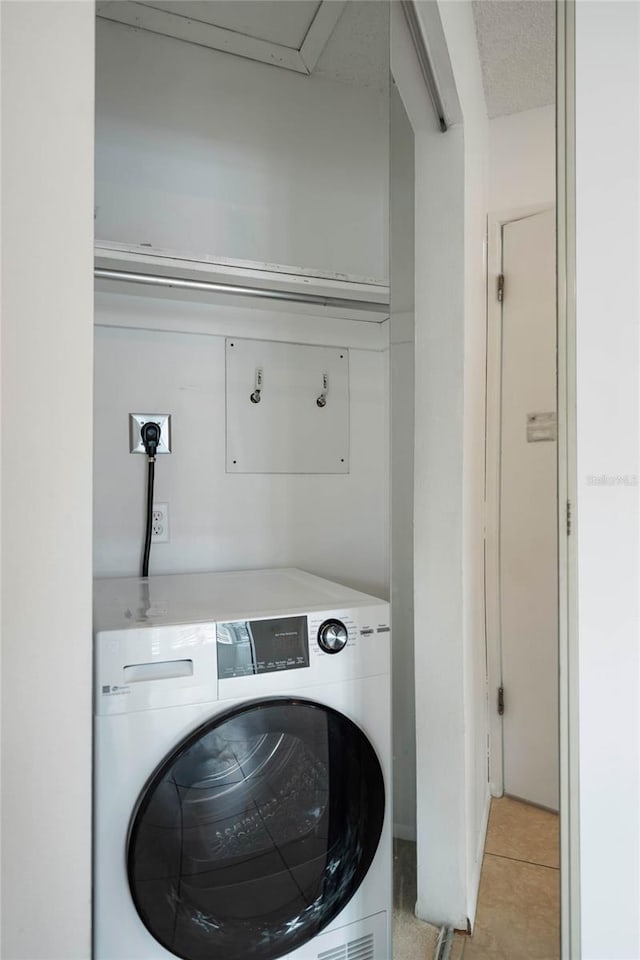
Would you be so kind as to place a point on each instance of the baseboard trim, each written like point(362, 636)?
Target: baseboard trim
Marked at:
point(474, 885)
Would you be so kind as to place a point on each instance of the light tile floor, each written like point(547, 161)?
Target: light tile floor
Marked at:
point(518, 916)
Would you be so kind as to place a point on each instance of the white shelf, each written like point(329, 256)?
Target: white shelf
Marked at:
point(359, 298)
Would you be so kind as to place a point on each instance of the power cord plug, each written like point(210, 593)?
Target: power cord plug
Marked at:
point(150, 436)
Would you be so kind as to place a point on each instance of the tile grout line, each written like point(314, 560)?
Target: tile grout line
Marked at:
point(531, 863)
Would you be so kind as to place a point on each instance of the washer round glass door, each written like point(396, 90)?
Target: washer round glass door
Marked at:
point(256, 831)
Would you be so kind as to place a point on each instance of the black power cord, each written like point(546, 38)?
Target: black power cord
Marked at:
point(150, 435)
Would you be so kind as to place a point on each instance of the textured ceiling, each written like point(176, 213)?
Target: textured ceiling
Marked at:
point(358, 49)
point(516, 41)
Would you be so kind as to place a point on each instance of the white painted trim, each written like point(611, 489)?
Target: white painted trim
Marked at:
point(122, 305)
point(224, 269)
point(477, 871)
point(492, 503)
point(570, 905)
point(437, 49)
point(496, 222)
point(169, 24)
point(323, 25)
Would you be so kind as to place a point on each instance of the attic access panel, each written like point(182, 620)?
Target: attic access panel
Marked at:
point(246, 29)
point(266, 20)
point(275, 423)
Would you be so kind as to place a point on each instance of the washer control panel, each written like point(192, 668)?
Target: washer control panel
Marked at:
point(278, 655)
point(249, 647)
point(332, 636)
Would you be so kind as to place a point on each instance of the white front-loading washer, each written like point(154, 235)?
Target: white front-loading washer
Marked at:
point(242, 762)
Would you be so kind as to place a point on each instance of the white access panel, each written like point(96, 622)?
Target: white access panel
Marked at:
point(275, 423)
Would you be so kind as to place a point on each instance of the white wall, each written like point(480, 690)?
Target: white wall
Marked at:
point(47, 307)
point(206, 152)
point(607, 514)
point(459, 28)
point(452, 788)
point(522, 160)
point(440, 747)
point(332, 525)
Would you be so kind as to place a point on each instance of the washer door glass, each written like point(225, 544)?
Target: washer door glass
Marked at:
point(256, 831)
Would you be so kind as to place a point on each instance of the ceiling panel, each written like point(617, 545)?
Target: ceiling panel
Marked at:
point(336, 40)
point(283, 23)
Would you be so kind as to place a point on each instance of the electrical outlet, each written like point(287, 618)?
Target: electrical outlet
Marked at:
point(160, 523)
point(136, 423)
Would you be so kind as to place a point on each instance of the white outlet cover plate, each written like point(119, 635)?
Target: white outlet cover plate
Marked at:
point(160, 514)
point(137, 421)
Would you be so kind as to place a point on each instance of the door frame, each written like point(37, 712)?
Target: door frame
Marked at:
point(570, 901)
point(493, 426)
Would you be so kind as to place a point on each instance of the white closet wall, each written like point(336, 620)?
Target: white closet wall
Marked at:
point(332, 525)
point(205, 152)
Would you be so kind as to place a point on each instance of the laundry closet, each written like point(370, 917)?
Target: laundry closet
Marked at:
point(242, 225)
point(217, 167)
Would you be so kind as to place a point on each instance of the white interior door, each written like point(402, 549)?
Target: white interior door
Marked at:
point(528, 511)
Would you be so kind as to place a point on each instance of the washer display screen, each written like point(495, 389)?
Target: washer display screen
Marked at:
point(256, 831)
point(247, 647)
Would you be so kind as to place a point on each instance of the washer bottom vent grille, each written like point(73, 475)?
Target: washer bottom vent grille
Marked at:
point(360, 949)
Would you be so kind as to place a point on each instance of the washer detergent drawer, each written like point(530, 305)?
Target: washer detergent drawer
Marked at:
point(151, 667)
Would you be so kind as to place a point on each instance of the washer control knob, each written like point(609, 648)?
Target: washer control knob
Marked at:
point(332, 636)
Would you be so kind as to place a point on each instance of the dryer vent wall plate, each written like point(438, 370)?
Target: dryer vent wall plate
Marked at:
point(136, 423)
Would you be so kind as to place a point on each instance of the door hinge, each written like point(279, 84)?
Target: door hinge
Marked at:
point(501, 700)
point(568, 517)
point(500, 287)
